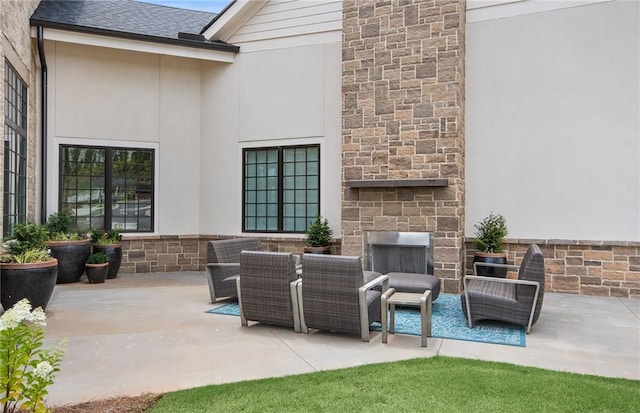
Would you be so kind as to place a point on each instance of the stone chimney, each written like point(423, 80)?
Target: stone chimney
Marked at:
point(403, 125)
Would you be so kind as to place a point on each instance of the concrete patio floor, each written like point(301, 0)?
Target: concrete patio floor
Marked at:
point(150, 333)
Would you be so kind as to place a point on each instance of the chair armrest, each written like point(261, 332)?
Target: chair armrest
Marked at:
point(494, 265)
point(536, 284)
point(295, 304)
point(499, 280)
point(297, 258)
point(362, 303)
point(381, 279)
point(223, 264)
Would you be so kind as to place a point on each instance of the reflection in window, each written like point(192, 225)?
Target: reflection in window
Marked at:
point(108, 188)
point(15, 150)
point(281, 188)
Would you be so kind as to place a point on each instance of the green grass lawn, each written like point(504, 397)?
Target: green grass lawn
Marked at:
point(439, 384)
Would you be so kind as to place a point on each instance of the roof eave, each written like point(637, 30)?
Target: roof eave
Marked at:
point(218, 46)
point(227, 23)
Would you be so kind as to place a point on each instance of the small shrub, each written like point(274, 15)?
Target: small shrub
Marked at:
point(27, 244)
point(101, 237)
point(319, 233)
point(59, 223)
point(97, 258)
point(490, 233)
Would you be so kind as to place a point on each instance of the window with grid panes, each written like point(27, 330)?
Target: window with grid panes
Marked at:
point(281, 188)
point(107, 188)
point(15, 150)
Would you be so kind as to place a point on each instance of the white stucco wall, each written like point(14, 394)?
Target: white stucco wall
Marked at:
point(102, 96)
point(552, 130)
point(272, 97)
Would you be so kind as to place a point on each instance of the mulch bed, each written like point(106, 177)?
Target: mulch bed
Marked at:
point(124, 404)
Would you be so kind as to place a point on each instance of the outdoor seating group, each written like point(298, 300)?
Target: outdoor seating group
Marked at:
point(334, 293)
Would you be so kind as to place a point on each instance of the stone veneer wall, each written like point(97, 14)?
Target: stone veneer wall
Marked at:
point(574, 267)
point(403, 118)
point(19, 49)
point(581, 267)
point(189, 252)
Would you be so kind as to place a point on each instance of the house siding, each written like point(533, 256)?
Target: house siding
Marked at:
point(279, 19)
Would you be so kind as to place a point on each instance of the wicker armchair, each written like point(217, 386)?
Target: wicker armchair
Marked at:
point(516, 301)
point(333, 295)
point(223, 264)
point(267, 289)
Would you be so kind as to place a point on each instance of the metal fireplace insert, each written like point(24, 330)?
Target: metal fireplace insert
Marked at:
point(407, 252)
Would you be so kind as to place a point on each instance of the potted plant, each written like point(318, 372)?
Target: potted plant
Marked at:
point(490, 233)
point(109, 243)
point(70, 248)
point(318, 237)
point(28, 269)
point(97, 267)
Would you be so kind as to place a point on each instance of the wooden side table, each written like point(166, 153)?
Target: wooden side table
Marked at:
point(389, 301)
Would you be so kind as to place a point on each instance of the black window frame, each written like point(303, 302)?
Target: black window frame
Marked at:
point(108, 184)
point(280, 190)
point(15, 168)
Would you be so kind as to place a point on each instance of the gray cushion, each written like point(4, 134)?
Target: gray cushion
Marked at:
point(406, 282)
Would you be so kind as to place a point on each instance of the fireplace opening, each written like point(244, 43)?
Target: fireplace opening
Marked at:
point(390, 251)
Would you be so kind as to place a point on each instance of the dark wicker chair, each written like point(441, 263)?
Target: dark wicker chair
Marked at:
point(333, 295)
point(516, 301)
point(267, 289)
point(223, 264)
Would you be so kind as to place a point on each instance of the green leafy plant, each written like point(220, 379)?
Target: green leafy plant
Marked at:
point(490, 233)
point(97, 258)
point(26, 368)
point(59, 222)
point(101, 237)
point(319, 233)
point(60, 228)
point(27, 244)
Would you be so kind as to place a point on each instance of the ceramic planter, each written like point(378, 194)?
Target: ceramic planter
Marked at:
point(493, 258)
point(317, 250)
point(32, 281)
point(71, 257)
point(97, 273)
point(114, 252)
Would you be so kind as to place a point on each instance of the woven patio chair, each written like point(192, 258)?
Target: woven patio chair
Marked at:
point(517, 301)
point(267, 289)
point(334, 296)
point(223, 264)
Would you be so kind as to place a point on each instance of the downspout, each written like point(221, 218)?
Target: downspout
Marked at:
point(43, 111)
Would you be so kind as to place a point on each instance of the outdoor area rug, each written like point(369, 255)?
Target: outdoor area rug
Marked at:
point(447, 321)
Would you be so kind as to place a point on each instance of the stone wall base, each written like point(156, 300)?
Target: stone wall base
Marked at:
point(189, 252)
point(610, 269)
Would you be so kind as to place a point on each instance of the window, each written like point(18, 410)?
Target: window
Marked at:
point(15, 150)
point(107, 188)
point(281, 188)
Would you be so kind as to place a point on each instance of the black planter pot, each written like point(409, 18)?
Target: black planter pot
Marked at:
point(71, 257)
point(32, 281)
point(97, 273)
point(114, 252)
point(318, 250)
point(493, 258)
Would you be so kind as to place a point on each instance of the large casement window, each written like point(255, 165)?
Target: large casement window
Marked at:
point(15, 150)
point(281, 188)
point(107, 188)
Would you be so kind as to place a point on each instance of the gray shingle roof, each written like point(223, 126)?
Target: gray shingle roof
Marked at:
point(128, 19)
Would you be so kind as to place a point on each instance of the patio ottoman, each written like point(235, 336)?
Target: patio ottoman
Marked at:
point(406, 282)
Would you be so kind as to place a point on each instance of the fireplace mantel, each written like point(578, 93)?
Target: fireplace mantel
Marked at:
point(397, 183)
